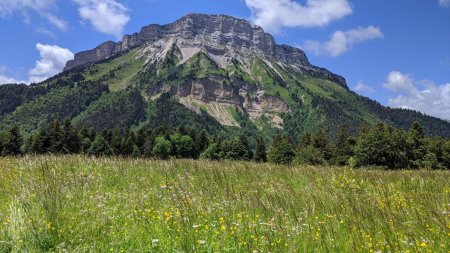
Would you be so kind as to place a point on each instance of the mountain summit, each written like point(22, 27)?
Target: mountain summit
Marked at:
point(222, 37)
point(212, 72)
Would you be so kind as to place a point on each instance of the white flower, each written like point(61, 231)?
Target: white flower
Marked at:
point(155, 242)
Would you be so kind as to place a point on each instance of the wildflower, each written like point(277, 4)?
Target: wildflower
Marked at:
point(423, 244)
point(155, 242)
point(201, 242)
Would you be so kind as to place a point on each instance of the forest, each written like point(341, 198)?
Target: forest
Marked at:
point(380, 146)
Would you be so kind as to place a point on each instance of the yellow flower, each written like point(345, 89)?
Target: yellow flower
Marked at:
point(423, 244)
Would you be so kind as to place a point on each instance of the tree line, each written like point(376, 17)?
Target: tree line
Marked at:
point(381, 145)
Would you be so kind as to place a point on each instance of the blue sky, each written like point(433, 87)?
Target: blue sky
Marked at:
point(396, 52)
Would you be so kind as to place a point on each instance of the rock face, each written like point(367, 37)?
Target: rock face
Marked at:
point(219, 35)
point(102, 52)
point(240, 95)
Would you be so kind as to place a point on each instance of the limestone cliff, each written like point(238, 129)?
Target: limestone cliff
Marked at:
point(223, 37)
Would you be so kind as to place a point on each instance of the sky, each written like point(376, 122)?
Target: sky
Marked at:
point(396, 52)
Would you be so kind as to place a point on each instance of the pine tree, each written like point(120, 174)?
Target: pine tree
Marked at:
point(107, 135)
point(306, 140)
point(321, 142)
point(417, 144)
point(100, 147)
point(55, 135)
point(140, 138)
point(14, 142)
point(281, 151)
point(116, 142)
point(246, 152)
point(136, 152)
point(446, 155)
point(39, 143)
point(3, 140)
point(128, 142)
point(71, 138)
point(201, 142)
point(260, 155)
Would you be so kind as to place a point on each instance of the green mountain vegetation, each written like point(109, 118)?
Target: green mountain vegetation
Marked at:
point(129, 92)
point(381, 146)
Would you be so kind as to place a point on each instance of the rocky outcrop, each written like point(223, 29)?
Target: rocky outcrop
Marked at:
point(248, 98)
point(217, 34)
point(102, 52)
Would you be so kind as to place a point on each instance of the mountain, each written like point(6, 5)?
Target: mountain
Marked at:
point(212, 72)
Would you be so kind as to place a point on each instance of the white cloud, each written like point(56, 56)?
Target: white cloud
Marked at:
point(401, 83)
point(5, 78)
point(57, 22)
point(275, 14)
point(423, 96)
point(42, 7)
point(7, 7)
point(445, 3)
point(342, 41)
point(52, 61)
point(362, 87)
point(106, 16)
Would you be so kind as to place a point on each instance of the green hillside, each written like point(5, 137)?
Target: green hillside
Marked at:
point(120, 93)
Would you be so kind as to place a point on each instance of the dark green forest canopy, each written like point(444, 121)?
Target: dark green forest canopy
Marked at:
point(381, 146)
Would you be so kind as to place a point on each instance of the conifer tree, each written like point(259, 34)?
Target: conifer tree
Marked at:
point(281, 151)
point(446, 155)
point(14, 142)
point(136, 152)
point(417, 144)
point(246, 152)
point(100, 147)
point(321, 142)
point(129, 143)
point(306, 140)
point(55, 136)
point(71, 138)
point(260, 155)
point(116, 142)
point(201, 142)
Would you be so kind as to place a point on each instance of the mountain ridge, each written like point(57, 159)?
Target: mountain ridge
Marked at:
point(224, 31)
point(213, 72)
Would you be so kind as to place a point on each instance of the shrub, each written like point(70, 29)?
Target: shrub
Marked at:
point(281, 151)
point(162, 148)
point(310, 155)
point(100, 147)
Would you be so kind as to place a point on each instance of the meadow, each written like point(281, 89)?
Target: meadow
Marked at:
point(84, 204)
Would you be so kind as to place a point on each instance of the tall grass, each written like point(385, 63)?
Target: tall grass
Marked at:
point(81, 204)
